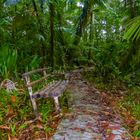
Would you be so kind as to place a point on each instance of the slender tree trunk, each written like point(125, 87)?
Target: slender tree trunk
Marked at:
point(41, 5)
point(35, 7)
point(83, 20)
point(52, 11)
point(132, 8)
point(42, 48)
point(61, 39)
point(91, 35)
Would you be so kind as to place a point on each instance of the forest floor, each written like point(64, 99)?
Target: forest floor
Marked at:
point(91, 117)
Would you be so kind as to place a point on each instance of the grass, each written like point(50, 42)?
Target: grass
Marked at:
point(131, 103)
point(14, 108)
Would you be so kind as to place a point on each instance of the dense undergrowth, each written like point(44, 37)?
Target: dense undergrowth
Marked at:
point(123, 94)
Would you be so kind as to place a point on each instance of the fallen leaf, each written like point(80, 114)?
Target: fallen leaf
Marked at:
point(104, 123)
point(78, 129)
point(10, 113)
point(114, 127)
point(13, 98)
point(89, 125)
point(39, 126)
point(14, 138)
point(4, 127)
point(11, 138)
point(104, 95)
point(106, 113)
point(111, 137)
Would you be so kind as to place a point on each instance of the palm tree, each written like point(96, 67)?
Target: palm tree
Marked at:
point(132, 33)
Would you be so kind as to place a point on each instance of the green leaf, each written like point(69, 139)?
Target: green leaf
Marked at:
point(133, 29)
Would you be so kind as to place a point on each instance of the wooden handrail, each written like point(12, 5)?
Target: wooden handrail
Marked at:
point(34, 71)
point(37, 81)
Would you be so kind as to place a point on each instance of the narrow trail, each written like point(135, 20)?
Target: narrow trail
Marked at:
point(89, 118)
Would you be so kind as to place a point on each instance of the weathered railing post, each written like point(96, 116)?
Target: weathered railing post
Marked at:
point(27, 79)
point(44, 73)
point(56, 101)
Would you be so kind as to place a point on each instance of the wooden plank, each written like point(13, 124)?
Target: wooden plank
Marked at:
point(34, 71)
point(37, 81)
point(42, 92)
point(56, 92)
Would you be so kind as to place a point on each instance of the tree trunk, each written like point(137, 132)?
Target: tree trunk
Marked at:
point(91, 35)
point(51, 6)
point(42, 48)
point(83, 20)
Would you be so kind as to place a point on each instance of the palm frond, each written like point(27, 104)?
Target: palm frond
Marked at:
point(133, 29)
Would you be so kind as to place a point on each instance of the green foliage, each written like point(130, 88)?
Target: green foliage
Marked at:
point(8, 61)
point(133, 29)
point(46, 107)
point(16, 111)
point(85, 32)
point(136, 133)
point(34, 63)
point(64, 100)
point(131, 102)
point(107, 60)
point(14, 107)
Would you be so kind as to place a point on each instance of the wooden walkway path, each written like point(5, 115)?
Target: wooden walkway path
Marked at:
point(89, 118)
